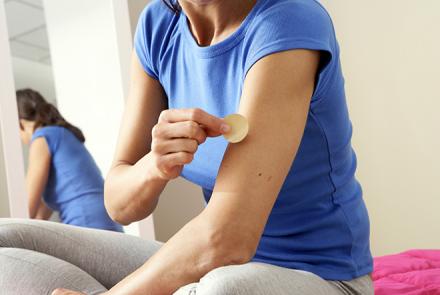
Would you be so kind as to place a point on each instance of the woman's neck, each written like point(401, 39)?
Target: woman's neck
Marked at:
point(212, 21)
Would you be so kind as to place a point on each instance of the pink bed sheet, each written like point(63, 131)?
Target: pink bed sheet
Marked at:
point(414, 272)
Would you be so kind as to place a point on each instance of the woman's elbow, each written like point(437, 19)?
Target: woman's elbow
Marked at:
point(116, 212)
point(32, 211)
point(123, 212)
point(230, 249)
point(117, 217)
point(233, 257)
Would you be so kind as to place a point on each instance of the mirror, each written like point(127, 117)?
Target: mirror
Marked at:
point(30, 52)
point(70, 53)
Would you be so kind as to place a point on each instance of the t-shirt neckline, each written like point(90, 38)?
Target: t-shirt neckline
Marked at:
point(222, 46)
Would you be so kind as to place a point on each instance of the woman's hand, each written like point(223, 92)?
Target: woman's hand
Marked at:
point(177, 135)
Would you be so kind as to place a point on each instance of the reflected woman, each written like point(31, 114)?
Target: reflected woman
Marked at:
point(60, 167)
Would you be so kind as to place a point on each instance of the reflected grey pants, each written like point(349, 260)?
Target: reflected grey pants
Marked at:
point(37, 257)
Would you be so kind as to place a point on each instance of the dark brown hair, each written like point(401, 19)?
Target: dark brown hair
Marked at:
point(33, 107)
point(172, 5)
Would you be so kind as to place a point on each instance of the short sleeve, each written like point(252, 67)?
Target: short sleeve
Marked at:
point(294, 24)
point(52, 136)
point(143, 41)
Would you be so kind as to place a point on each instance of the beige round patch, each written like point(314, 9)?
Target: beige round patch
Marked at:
point(239, 128)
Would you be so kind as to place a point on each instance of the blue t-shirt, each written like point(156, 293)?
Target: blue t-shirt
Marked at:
point(75, 186)
point(319, 222)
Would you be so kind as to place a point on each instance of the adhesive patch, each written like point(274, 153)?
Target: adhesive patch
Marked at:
point(239, 128)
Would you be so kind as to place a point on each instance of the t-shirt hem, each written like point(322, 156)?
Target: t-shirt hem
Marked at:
point(144, 65)
point(327, 274)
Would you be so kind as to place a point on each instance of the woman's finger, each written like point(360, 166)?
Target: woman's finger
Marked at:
point(186, 129)
point(213, 125)
point(163, 147)
point(169, 161)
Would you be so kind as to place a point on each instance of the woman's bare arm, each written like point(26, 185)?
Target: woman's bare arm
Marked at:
point(275, 101)
point(153, 146)
point(37, 174)
point(44, 212)
point(131, 191)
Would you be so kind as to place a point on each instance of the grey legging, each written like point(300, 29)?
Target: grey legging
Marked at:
point(38, 256)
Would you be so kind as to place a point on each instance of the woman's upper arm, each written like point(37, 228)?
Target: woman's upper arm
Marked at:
point(145, 101)
point(37, 173)
point(275, 100)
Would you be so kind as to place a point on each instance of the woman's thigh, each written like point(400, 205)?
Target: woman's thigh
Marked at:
point(262, 279)
point(26, 272)
point(107, 256)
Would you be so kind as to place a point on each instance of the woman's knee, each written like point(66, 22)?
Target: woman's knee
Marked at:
point(22, 233)
point(219, 281)
point(260, 279)
point(28, 272)
point(10, 233)
point(232, 279)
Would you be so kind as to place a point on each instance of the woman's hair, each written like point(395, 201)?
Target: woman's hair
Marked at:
point(173, 5)
point(33, 107)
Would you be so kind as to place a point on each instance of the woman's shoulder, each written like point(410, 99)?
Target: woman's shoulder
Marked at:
point(294, 19)
point(49, 131)
point(155, 6)
point(154, 30)
point(281, 25)
point(52, 134)
point(290, 24)
point(305, 8)
point(155, 16)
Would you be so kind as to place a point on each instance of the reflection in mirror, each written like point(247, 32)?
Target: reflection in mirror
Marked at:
point(30, 49)
point(30, 52)
point(63, 181)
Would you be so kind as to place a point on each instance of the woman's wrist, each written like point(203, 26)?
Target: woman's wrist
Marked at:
point(127, 186)
point(147, 172)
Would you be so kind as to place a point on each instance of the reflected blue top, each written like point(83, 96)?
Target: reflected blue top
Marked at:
point(75, 185)
point(319, 222)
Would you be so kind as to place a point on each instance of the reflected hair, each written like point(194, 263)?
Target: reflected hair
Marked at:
point(172, 5)
point(33, 107)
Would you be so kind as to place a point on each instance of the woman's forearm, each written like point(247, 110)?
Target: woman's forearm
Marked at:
point(194, 251)
point(132, 191)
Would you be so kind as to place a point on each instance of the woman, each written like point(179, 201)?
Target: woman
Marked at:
point(285, 213)
point(60, 167)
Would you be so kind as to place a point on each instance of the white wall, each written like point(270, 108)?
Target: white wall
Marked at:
point(390, 53)
point(135, 8)
point(30, 74)
point(85, 57)
point(178, 204)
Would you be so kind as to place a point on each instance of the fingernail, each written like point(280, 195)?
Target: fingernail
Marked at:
point(225, 128)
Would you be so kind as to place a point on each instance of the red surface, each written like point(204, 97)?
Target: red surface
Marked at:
point(415, 272)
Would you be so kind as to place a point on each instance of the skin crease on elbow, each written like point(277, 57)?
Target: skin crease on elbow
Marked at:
point(138, 174)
